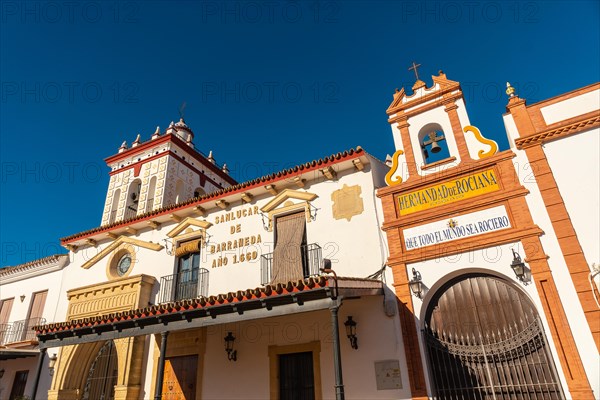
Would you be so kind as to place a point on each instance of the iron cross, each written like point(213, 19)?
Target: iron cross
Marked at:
point(414, 67)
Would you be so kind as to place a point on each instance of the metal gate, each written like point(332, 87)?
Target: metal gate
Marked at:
point(102, 377)
point(484, 340)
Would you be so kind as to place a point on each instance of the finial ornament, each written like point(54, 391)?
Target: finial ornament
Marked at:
point(156, 133)
point(225, 169)
point(123, 146)
point(210, 157)
point(510, 91)
point(137, 140)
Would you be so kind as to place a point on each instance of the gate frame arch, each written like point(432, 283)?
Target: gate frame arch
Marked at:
point(454, 275)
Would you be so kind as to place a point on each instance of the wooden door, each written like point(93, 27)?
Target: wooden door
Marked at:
point(18, 387)
point(179, 381)
point(485, 341)
point(296, 376)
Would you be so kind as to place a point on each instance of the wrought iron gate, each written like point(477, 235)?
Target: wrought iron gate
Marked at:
point(485, 341)
point(102, 377)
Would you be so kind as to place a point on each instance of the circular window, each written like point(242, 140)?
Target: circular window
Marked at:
point(124, 264)
point(121, 262)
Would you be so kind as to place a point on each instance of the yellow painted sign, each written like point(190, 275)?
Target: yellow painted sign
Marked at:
point(448, 192)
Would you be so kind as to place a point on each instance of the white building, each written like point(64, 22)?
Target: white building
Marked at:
point(493, 252)
point(195, 286)
point(184, 251)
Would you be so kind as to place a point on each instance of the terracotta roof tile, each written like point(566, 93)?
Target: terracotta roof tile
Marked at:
point(222, 192)
point(188, 304)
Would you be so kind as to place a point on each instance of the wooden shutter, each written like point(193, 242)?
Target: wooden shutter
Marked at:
point(287, 256)
point(5, 308)
point(37, 305)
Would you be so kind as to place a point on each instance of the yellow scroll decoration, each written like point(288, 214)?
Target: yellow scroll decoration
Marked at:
point(481, 139)
point(389, 179)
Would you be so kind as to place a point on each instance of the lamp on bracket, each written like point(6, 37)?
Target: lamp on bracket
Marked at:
point(350, 325)
point(416, 284)
point(168, 246)
point(521, 271)
point(231, 353)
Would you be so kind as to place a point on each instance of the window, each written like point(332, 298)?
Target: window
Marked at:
point(179, 192)
point(189, 281)
point(18, 387)
point(133, 199)
point(289, 260)
point(121, 262)
point(5, 308)
point(115, 206)
point(150, 198)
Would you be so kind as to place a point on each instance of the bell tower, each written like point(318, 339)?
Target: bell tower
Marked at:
point(431, 130)
point(164, 170)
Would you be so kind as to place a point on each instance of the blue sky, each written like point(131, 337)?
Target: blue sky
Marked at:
point(79, 78)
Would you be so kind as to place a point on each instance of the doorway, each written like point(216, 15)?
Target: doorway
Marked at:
point(484, 340)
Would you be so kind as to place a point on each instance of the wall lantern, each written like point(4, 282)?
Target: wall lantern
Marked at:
point(52, 363)
point(22, 298)
point(351, 332)
point(520, 269)
point(1, 373)
point(231, 353)
point(416, 284)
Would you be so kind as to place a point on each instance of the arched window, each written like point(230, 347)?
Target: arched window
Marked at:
point(102, 376)
point(114, 207)
point(133, 199)
point(179, 191)
point(150, 194)
point(433, 143)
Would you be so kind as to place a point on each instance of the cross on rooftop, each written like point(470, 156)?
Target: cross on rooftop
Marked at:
point(414, 67)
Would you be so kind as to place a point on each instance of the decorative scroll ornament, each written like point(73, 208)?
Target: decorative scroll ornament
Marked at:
point(482, 153)
point(390, 177)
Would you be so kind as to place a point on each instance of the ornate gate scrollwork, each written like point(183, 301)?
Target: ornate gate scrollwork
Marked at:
point(485, 341)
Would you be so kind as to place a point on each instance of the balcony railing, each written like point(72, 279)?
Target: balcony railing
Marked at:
point(311, 261)
point(184, 285)
point(19, 331)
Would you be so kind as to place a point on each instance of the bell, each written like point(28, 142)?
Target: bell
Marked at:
point(435, 148)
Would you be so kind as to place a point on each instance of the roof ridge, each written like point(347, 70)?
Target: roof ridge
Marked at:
point(265, 178)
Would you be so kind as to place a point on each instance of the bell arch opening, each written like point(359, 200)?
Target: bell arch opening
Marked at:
point(434, 146)
point(484, 340)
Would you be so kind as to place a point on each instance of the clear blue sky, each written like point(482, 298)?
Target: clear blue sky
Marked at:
point(79, 78)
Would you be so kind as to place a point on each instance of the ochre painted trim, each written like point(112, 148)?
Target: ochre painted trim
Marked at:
point(275, 351)
point(287, 194)
point(189, 221)
point(120, 240)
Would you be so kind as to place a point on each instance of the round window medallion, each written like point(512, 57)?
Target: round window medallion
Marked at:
point(123, 264)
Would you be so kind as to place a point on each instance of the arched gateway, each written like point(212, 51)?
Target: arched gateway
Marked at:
point(485, 340)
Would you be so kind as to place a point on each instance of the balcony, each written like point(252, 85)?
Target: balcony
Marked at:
point(19, 331)
point(311, 262)
point(184, 285)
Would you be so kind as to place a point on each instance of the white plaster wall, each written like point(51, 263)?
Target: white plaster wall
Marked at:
point(25, 364)
point(493, 260)
point(575, 164)
point(562, 278)
point(572, 107)
point(52, 282)
point(378, 339)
